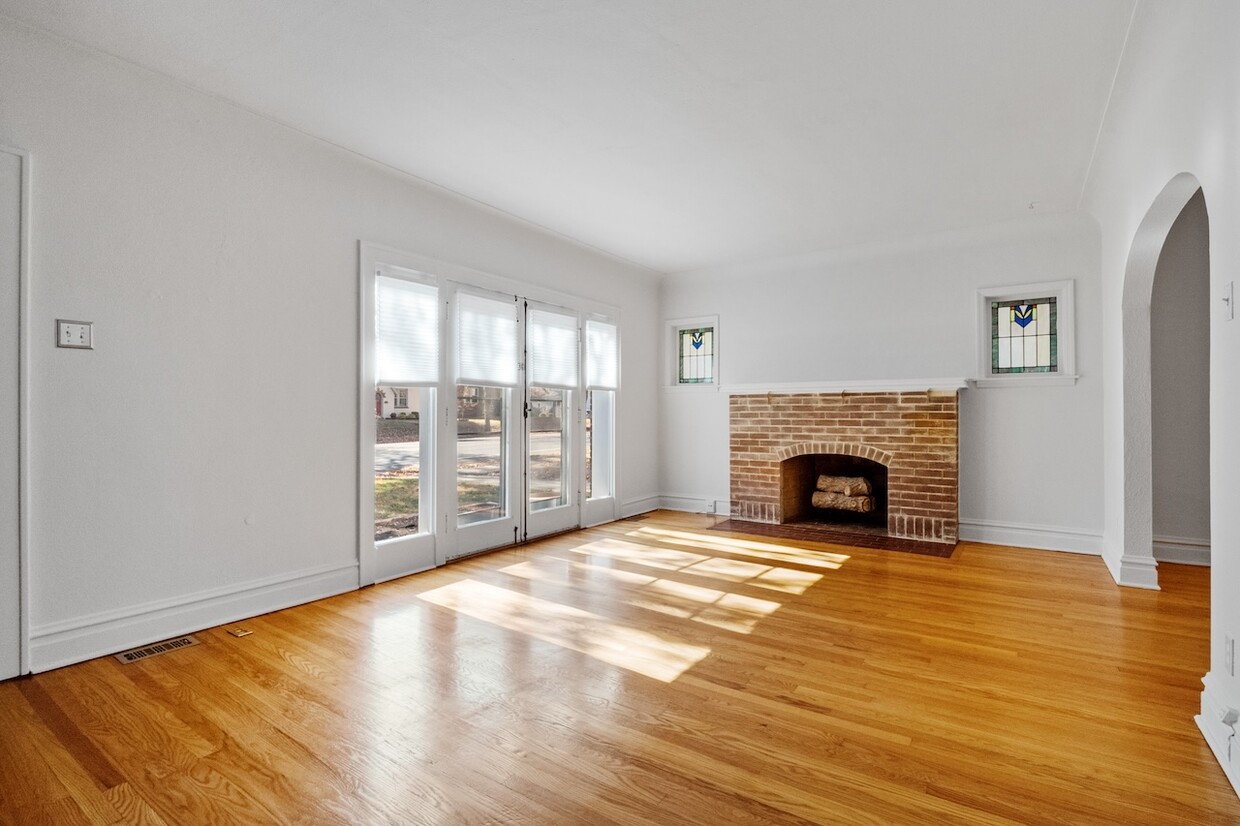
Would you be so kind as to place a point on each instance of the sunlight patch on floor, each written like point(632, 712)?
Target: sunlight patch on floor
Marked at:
point(607, 641)
point(541, 570)
point(721, 609)
point(717, 608)
point(788, 580)
point(640, 554)
point(770, 577)
point(745, 547)
point(710, 606)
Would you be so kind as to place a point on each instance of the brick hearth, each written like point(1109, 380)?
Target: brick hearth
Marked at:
point(913, 434)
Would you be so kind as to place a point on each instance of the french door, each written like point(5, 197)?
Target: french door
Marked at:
point(483, 493)
point(517, 441)
point(553, 417)
point(475, 403)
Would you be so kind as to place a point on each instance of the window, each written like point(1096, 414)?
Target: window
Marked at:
point(402, 397)
point(1025, 335)
point(696, 359)
point(695, 349)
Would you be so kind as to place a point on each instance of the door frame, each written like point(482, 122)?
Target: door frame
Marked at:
point(23, 410)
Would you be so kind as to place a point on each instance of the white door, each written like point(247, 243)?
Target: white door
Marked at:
point(553, 439)
point(483, 491)
point(11, 171)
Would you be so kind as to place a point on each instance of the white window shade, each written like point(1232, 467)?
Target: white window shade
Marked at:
point(552, 342)
point(406, 332)
point(602, 356)
point(486, 339)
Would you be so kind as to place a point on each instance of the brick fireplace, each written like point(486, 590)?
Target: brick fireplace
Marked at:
point(780, 442)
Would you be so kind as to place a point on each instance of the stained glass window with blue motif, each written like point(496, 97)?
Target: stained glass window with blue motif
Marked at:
point(696, 355)
point(1023, 336)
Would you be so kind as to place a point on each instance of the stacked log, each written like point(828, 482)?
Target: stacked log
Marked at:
point(845, 493)
point(847, 485)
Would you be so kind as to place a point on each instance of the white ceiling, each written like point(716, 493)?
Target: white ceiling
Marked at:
point(677, 134)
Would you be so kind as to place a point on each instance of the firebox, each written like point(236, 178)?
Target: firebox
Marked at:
point(833, 488)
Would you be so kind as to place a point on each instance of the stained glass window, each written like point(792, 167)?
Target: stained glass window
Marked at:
point(696, 355)
point(1024, 336)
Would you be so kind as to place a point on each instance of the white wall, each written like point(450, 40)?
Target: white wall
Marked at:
point(1030, 456)
point(1180, 385)
point(217, 254)
point(1176, 109)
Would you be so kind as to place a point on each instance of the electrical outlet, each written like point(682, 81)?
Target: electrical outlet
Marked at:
point(1229, 655)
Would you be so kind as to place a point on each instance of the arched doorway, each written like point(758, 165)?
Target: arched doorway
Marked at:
point(1137, 565)
point(1180, 390)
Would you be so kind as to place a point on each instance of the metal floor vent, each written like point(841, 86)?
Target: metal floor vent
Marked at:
point(135, 654)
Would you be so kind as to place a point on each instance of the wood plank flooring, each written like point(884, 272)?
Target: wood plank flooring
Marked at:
point(653, 672)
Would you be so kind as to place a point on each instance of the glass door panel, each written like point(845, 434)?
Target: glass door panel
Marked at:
point(548, 448)
point(551, 497)
point(398, 462)
point(481, 454)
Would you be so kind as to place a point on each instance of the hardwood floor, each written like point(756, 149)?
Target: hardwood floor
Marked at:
point(653, 671)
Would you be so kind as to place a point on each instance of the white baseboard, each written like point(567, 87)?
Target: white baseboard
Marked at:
point(83, 638)
point(1221, 737)
point(1041, 537)
point(695, 504)
point(1182, 550)
point(645, 504)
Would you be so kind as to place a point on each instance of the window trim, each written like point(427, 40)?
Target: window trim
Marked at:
point(674, 328)
point(1065, 335)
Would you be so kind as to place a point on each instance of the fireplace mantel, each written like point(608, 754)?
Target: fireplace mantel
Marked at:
point(938, 385)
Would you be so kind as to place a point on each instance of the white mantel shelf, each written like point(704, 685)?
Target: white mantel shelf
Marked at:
point(874, 386)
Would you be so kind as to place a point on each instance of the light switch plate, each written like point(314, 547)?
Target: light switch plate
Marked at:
point(74, 334)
